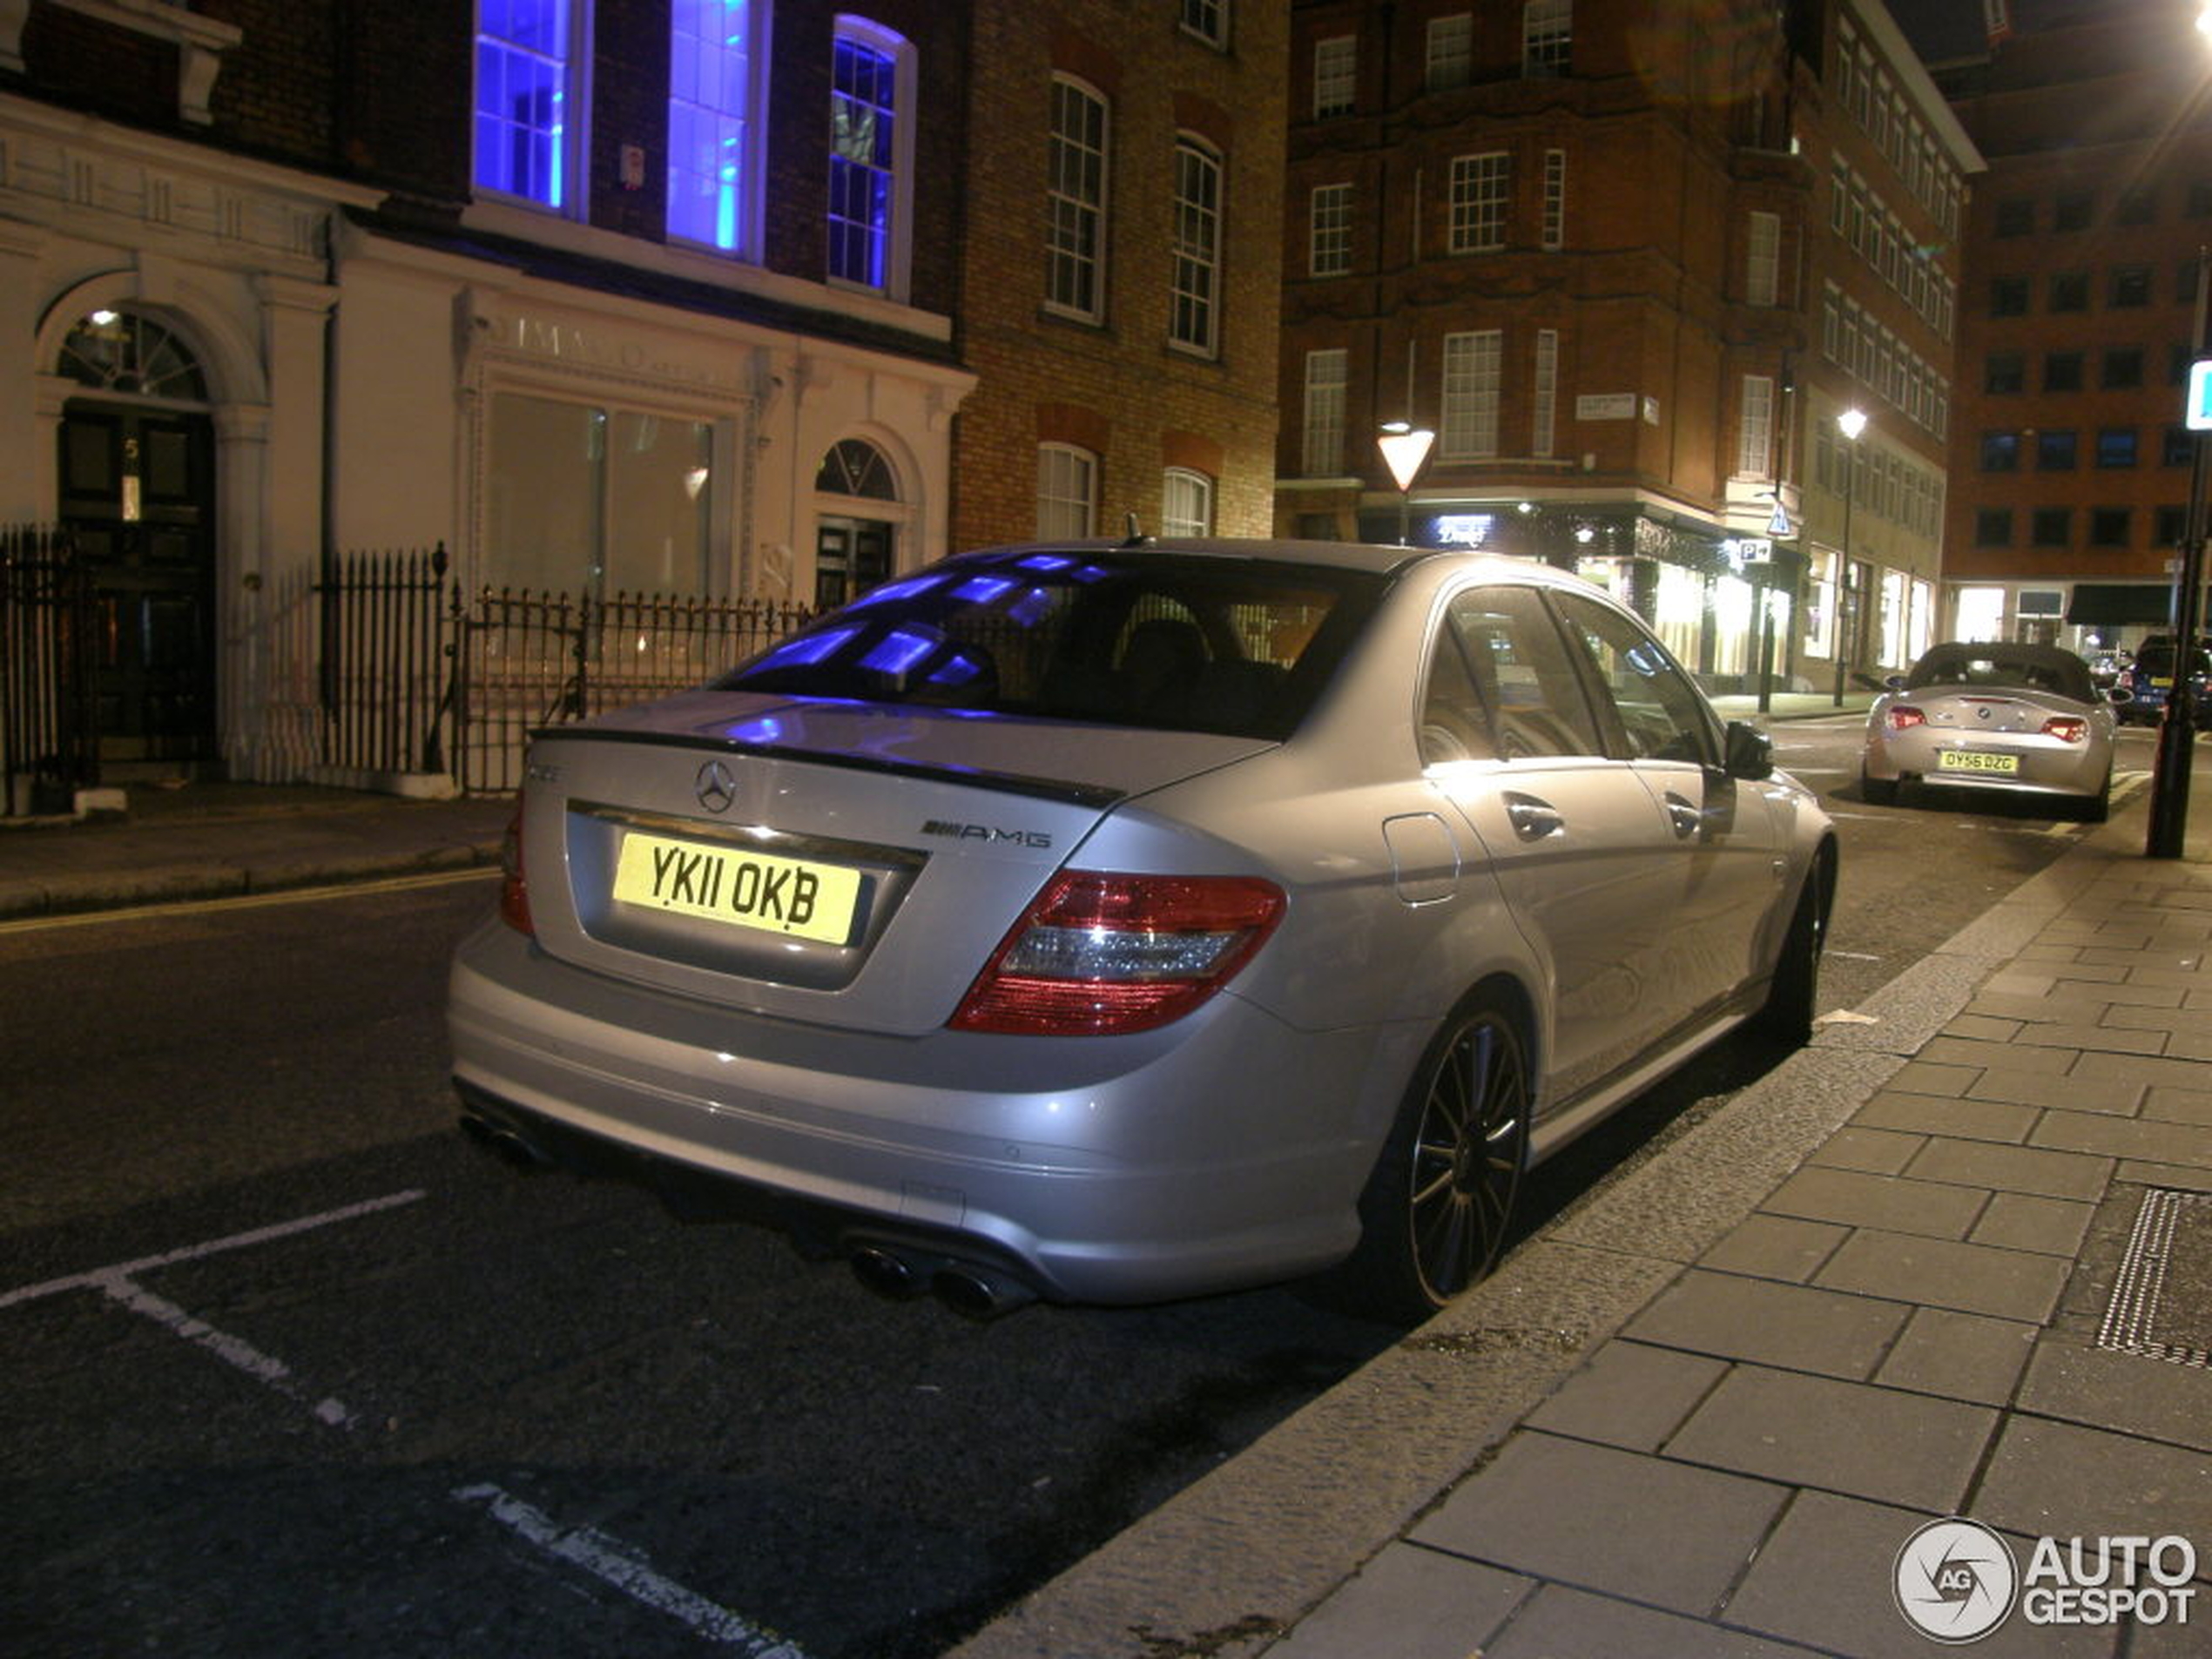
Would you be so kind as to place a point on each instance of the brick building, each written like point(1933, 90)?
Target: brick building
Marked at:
point(2070, 463)
point(1628, 264)
point(605, 295)
point(1124, 339)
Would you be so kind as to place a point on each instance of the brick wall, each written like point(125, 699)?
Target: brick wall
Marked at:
point(1149, 405)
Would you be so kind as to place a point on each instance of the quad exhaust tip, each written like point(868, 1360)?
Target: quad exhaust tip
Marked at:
point(972, 1291)
point(504, 1142)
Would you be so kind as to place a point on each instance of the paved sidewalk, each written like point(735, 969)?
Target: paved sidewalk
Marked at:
point(1702, 1412)
point(219, 841)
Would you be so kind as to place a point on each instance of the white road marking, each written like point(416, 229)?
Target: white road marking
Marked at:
point(584, 1547)
point(609, 1561)
point(265, 1369)
point(1851, 955)
point(245, 900)
point(96, 1278)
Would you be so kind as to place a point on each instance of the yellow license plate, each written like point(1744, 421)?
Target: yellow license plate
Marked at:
point(792, 897)
point(1967, 760)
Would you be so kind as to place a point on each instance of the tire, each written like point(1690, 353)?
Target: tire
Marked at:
point(1785, 1018)
point(2096, 809)
point(1877, 791)
point(1435, 1215)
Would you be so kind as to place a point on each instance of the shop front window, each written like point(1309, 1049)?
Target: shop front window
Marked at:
point(581, 498)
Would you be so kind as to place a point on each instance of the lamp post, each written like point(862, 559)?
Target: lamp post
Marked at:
point(1404, 447)
point(2171, 766)
point(1851, 423)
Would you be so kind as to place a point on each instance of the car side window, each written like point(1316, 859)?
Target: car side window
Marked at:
point(1662, 716)
point(1500, 684)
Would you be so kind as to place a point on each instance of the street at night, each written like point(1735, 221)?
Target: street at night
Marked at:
point(291, 1365)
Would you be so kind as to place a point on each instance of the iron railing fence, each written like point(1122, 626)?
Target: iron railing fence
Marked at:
point(523, 659)
point(49, 729)
point(385, 661)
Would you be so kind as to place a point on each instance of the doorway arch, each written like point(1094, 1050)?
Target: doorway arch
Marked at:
point(858, 518)
point(136, 491)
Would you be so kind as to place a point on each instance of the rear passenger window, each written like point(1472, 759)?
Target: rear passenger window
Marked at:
point(1501, 685)
point(1662, 716)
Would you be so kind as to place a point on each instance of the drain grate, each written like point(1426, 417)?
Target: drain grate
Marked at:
point(2161, 1304)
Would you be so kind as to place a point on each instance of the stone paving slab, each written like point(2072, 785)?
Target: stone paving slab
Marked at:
point(1959, 1356)
point(1631, 1395)
point(1980, 1120)
point(2022, 1221)
point(1938, 1272)
point(1825, 1578)
point(1410, 1603)
point(2068, 1378)
point(1609, 1521)
point(1869, 1442)
point(2011, 1169)
point(1859, 1200)
point(2066, 1480)
point(1789, 1325)
point(1776, 1247)
point(1573, 1624)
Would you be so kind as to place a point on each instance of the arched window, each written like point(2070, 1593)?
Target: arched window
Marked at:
point(856, 467)
point(1067, 491)
point(121, 354)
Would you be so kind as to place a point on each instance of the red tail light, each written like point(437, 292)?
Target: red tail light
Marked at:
point(2066, 728)
point(1904, 717)
point(514, 889)
point(1097, 954)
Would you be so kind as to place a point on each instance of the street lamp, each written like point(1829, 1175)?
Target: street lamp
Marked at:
point(2171, 758)
point(1404, 448)
point(1851, 423)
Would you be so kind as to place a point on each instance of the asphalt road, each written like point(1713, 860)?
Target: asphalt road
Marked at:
point(285, 1367)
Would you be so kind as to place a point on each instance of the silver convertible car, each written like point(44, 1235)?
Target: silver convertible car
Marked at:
point(2016, 718)
point(1115, 923)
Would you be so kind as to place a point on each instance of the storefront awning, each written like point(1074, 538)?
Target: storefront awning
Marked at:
point(2116, 604)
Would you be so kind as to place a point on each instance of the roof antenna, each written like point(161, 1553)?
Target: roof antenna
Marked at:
point(1135, 536)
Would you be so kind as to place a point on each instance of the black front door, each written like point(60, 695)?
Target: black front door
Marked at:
point(137, 492)
point(851, 556)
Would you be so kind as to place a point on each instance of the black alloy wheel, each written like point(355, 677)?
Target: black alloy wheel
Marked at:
point(1467, 1154)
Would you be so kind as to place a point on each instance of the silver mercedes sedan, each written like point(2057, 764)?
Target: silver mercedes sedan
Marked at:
point(1115, 923)
point(2018, 719)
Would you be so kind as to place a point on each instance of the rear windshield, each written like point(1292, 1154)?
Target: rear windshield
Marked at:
point(1992, 665)
point(1117, 637)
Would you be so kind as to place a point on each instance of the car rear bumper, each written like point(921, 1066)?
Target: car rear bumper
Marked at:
point(1226, 1150)
point(2046, 766)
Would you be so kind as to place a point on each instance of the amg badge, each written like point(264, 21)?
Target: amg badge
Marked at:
point(952, 831)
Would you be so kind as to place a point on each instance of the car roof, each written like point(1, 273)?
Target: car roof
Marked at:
point(2019, 651)
point(1348, 556)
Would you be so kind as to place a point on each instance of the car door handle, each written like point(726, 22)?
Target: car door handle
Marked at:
point(1685, 818)
point(1532, 819)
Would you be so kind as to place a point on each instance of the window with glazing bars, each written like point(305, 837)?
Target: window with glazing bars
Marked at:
point(863, 115)
point(1330, 247)
point(1076, 202)
point(710, 122)
point(1479, 184)
point(1194, 297)
point(1323, 454)
point(1472, 363)
point(522, 98)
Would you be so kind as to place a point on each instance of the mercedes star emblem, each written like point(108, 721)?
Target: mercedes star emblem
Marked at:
point(716, 788)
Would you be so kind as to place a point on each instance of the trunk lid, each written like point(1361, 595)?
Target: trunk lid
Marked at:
point(844, 862)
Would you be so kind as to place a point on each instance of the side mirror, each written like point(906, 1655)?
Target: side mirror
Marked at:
point(1749, 753)
point(1895, 682)
point(2119, 694)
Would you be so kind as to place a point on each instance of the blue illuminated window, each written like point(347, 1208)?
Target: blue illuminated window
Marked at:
point(712, 121)
point(868, 150)
point(524, 75)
